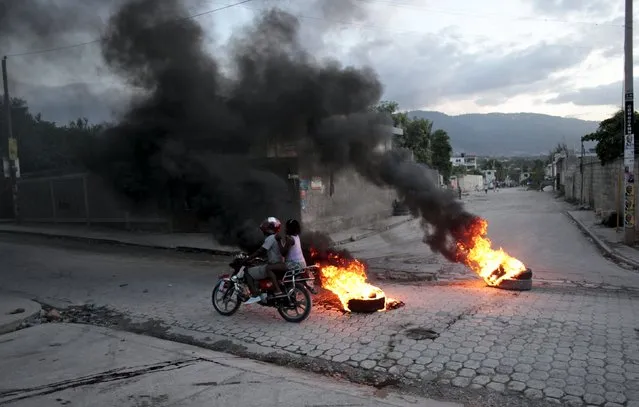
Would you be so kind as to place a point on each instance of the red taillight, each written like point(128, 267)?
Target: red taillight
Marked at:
point(265, 284)
point(224, 276)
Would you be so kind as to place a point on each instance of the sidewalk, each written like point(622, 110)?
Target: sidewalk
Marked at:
point(92, 366)
point(199, 242)
point(364, 231)
point(609, 240)
point(14, 310)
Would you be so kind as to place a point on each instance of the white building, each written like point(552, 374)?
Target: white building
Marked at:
point(463, 160)
point(490, 176)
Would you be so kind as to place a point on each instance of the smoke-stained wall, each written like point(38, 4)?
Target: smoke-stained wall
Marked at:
point(331, 202)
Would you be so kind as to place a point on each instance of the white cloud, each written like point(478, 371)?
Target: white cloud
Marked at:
point(609, 94)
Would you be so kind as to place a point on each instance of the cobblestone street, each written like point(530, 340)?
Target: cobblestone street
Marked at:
point(573, 339)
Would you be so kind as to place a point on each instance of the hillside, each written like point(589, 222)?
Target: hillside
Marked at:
point(508, 134)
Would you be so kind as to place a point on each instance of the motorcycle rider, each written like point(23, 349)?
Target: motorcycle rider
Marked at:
point(271, 249)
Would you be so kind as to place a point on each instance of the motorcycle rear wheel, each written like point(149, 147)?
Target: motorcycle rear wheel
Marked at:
point(301, 298)
point(227, 296)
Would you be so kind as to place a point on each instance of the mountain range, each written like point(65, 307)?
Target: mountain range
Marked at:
point(496, 134)
point(508, 134)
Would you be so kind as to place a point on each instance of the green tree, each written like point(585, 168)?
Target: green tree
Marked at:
point(514, 174)
point(538, 172)
point(400, 119)
point(500, 171)
point(459, 170)
point(45, 146)
point(609, 137)
point(488, 164)
point(416, 138)
point(441, 151)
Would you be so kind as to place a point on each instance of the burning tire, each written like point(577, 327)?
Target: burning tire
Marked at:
point(520, 282)
point(367, 305)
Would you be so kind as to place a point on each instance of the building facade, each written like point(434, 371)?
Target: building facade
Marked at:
point(464, 160)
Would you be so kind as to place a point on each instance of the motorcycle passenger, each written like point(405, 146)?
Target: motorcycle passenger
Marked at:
point(271, 249)
point(292, 249)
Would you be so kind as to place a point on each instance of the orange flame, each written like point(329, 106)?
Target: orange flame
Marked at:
point(348, 281)
point(493, 266)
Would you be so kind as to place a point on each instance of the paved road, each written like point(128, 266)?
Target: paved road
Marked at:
point(529, 225)
point(562, 342)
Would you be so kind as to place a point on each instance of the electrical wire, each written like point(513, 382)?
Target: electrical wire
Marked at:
point(81, 44)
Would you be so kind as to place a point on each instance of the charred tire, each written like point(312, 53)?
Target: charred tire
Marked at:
point(306, 300)
point(229, 292)
point(526, 275)
point(367, 305)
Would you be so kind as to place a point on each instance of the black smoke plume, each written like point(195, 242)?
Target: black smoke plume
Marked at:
point(44, 79)
point(46, 23)
point(203, 116)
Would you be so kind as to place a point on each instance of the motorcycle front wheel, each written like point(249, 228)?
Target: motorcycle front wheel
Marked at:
point(225, 299)
point(298, 308)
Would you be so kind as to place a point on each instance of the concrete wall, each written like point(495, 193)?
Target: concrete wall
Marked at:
point(602, 185)
point(469, 182)
point(320, 200)
point(330, 203)
point(81, 198)
point(598, 186)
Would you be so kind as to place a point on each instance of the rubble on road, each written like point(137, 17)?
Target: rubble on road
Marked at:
point(84, 314)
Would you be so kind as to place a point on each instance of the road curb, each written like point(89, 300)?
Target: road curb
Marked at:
point(100, 240)
point(28, 313)
point(373, 232)
point(603, 246)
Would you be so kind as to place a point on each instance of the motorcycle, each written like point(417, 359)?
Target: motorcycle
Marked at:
point(297, 283)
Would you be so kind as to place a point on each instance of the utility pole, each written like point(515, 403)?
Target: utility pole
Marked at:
point(581, 170)
point(11, 155)
point(629, 138)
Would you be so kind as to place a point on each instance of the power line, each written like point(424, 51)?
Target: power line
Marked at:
point(81, 44)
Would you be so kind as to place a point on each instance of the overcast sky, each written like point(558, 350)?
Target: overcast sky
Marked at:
point(560, 57)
